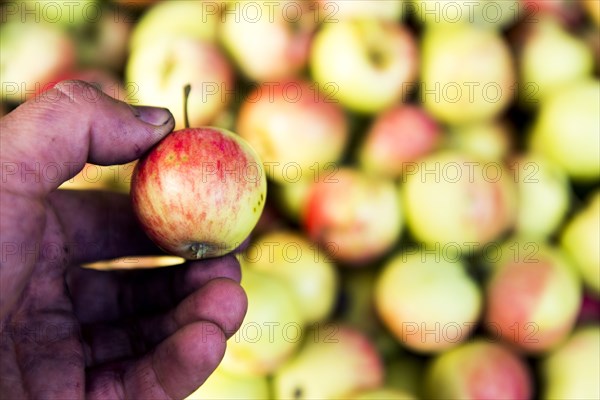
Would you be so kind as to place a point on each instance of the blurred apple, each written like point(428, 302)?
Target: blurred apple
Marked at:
point(454, 200)
point(427, 300)
point(367, 64)
point(398, 136)
point(581, 241)
point(381, 394)
point(335, 10)
point(592, 8)
point(65, 14)
point(467, 73)
point(357, 218)
point(309, 274)
point(268, 40)
point(90, 177)
point(296, 131)
point(489, 140)
point(291, 197)
point(173, 19)
point(157, 72)
point(478, 370)
point(543, 195)
point(566, 130)
point(484, 13)
point(272, 329)
point(32, 54)
point(532, 296)
point(334, 362)
point(222, 385)
point(568, 12)
point(571, 371)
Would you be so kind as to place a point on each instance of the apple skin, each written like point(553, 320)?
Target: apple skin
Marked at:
point(356, 217)
point(566, 130)
point(307, 131)
point(580, 239)
point(366, 64)
point(571, 371)
point(334, 361)
point(533, 295)
point(480, 370)
point(225, 386)
point(427, 301)
point(467, 74)
point(199, 192)
point(490, 140)
point(398, 136)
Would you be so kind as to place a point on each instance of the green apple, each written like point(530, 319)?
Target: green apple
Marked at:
point(581, 241)
point(467, 73)
point(334, 362)
point(571, 371)
point(427, 300)
point(566, 130)
point(291, 197)
point(335, 10)
point(272, 329)
point(488, 14)
point(222, 385)
point(62, 13)
point(307, 271)
point(479, 369)
point(368, 65)
point(488, 140)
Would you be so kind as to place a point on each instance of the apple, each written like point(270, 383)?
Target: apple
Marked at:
point(269, 41)
point(222, 385)
point(551, 58)
point(427, 300)
point(571, 371)
point(479, 369)
point(398, 136)
point(334, 361)
point(297, 132)
point(272, 329)
point(489, 140)
point(383, 393)
point(134, 262)
point(156, 72)
point(580, 239)
point(533, 295)
point(91, 177)
point(291, 197)
point(566, 130)
point(190, 19)
point(199, 192)
point(354, 216)
point(592, 10)
point(335, 10)
point(307, 271)
point(489, 14)
point(456, 201)
point(367, 64)
point(65, 14)
point(467, 73)
point(543, 192)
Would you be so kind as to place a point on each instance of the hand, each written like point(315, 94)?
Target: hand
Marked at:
point(72, 333)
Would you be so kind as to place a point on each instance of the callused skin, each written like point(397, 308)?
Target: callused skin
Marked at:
point(199, 192)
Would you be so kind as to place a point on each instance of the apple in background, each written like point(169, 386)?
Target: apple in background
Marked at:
point(157, 71)
point(568, 12)
point(272, 329)
point(297, 132)
point(398, 136)
point(566, 130)
point(268, 41)
point(222, 385)
point(334, 361)
point(291, 198)
point(454, 200)
point(543, 192)
point(383, 393)
point(478, 369)
point(89, 178)
point(551, 58)
point(135, 262)
point(533, 295)
point(367, 64)
point(32, 54)
point(571, 371)
point(190, 19)
point(307, 271)
point(592, 9)
point(580, 239)
point(489, 140)
point(335, 10)
point(484, 13)
point(356, 217)
point(199, 192)
point(467, 73)
point(428, 301)
point(65, 14)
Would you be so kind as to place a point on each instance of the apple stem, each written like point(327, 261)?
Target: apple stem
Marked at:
point(186, 94)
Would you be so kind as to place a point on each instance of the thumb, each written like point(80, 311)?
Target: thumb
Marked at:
point(49, 138)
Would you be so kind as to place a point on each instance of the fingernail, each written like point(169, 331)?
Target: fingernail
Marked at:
point(152, 115)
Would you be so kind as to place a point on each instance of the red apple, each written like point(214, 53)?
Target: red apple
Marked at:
point(199, 192)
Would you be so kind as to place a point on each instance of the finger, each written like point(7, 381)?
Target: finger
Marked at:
point(48, 139)
point(99, 226)
point(176, 368)
point(104, 296)
point(221, 301)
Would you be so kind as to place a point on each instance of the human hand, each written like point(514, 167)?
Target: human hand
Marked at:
point(72, 333)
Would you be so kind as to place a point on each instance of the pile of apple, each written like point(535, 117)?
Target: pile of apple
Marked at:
point(432, 224)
